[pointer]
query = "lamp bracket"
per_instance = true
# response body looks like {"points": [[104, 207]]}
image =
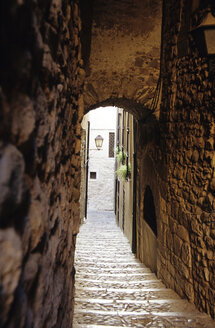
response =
{"points": [[212, 5], [212, 65]]}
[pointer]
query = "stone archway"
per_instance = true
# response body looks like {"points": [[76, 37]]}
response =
{"points": [[124, 62], [123, 65]]}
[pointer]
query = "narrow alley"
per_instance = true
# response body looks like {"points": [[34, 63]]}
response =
{"points": [[113, 289], [151, 64]]}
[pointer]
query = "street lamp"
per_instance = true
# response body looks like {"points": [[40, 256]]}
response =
{"points": [[99, 142], [204, 36]]}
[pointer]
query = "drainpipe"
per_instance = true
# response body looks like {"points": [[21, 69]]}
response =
{"points": [[117, 144], [123, 162], [87, 167], [134, 228], [123, 129], [127, 146]]}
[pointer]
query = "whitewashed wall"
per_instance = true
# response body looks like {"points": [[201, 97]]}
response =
{"points": [[101, 190]]}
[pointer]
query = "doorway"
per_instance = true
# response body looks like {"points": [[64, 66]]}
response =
{"points": [[149, 231]]}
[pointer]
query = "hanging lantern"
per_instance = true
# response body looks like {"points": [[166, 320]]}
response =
{"points": [[204, 36], [99, 142]]}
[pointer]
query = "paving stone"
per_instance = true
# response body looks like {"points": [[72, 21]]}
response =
{"points": [[113, 289]]}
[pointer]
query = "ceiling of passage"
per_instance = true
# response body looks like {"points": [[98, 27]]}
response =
{"points": [[124, 61]]}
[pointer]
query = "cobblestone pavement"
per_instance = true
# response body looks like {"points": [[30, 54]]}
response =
{"points": [[113, 289]]}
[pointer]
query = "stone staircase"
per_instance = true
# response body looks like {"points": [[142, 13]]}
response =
{"points": [[113, 289]]}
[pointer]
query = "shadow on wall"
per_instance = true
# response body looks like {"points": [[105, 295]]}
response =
{"points": [[149, 231]]}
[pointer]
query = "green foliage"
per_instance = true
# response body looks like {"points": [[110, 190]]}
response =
{"points": [[123, 173], [117, 150], [121, 156]]}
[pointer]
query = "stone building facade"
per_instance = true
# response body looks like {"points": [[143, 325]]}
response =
{"points": [[43, 100], [125, 160]]}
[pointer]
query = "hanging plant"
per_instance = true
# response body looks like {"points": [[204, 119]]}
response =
{"points": [[117, 150], [121, 156], [124, 172]]}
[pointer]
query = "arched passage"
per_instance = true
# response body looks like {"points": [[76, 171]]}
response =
{"points": [[41, 107], [124, 188], [143, 131], [138, 110]]}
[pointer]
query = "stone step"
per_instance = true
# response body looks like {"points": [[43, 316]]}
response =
{"points": [[113, 270], [126, 290], [125, 293], [140, 319], [159, 305], [96, 326], [159, 301], [110, 246], [114, 290], [108, 254], [109, 264], [102, 235], [110, 239], [127, 276], [117, 284]]}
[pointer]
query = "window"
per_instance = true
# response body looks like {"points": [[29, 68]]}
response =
{"points": [[93, 175], [111, 144]]}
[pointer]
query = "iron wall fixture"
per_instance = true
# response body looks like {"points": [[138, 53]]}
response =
{"points": [[204, 37], [99, 142]]}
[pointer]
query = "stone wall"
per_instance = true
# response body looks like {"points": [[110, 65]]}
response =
{"points": [[41, 109], [186, 170]]}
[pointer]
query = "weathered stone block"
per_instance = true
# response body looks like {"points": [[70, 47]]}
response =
{"points": [[189, 291], [169, 239], [12, 183], [23, 123], [30, 271], [182, 233], [10, 269], [177, 244], [186, 254]]}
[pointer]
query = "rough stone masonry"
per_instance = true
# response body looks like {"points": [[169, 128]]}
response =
{"points": [[42, 79], [41, 108]]}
